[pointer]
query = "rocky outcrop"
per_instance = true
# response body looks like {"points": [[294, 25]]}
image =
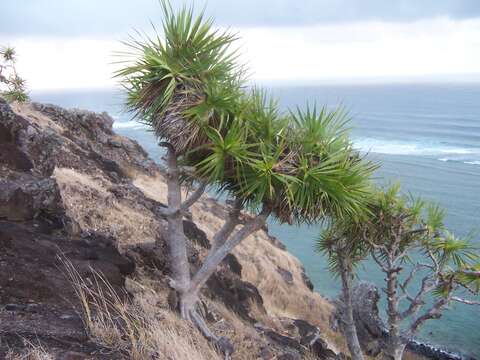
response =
{"points": [[302, 338], [372, 331], [370, 328], [70, 188]]}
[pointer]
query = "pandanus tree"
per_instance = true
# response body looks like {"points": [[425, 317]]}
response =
{"points": [[296, 167], [426, 267], [342, 241], [14, 87]]}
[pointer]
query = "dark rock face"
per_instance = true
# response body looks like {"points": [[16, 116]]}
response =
{"points": [[36, 293], [286, 275], [300, 337], [195, 234], [236, 294], [307, 281], [25, 197], [371, 330]]}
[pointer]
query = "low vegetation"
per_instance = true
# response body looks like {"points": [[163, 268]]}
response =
{"points": [[408, 240], [33, 351], [14, 87], [135, 327]]}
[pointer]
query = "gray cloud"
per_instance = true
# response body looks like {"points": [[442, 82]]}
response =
{"points": [[106, 17]]}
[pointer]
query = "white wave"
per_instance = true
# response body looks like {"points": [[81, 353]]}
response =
{"points": [[473, 162], [410, 148], [128, 125], [447, 153]]}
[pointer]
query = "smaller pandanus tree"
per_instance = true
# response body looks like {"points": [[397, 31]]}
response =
{"points": [[297, 167], [14, 86], [407, 236], [426, 267], [342, 241]]}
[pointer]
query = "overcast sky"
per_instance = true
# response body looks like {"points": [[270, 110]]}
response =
{"points": [[69, 44]]}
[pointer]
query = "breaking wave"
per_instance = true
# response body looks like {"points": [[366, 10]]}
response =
{"points": [[442, 152], [132, 124]]}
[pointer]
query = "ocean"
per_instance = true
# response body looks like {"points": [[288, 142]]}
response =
{"points": [[426, 136]]}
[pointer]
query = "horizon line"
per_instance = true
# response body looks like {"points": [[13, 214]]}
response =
{"points": [[450, 79]]}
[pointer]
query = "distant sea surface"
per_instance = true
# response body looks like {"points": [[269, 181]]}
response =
{"points": [[425, 136]]}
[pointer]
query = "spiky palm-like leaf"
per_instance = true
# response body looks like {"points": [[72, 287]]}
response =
{"points": [[451, 249], [14, 84], [468, 276], [183, 82], [342, 242], [8, 53], [187, 87], [15, 95]]}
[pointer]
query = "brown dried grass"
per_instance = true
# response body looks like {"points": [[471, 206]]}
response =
{"points": [[32, 352], [135, 328]]}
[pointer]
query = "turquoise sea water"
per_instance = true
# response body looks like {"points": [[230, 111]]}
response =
{"points": [[426, 136]]}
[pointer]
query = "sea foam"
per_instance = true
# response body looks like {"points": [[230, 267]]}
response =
{"points": [[132, 124], [444, 151]]}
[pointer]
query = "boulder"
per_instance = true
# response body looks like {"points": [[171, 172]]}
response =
{"points": [[370, 328], [300, 337], [286, 275]]}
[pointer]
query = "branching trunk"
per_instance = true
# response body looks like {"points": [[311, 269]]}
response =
{"points": [[216, 255], [396, 343], [350, 328], [394, 349], [223, 243], [223, 234]]}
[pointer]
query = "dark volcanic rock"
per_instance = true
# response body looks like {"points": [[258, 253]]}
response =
{"points": [[286, 275], [24, 197], [370, 327], [195, 234], [37, 292], [371, 330], [300, 337], [307, 280], [38, 300], [236, 294]]}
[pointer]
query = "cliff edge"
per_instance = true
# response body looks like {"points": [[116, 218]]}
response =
{"points": [[71, 190]]}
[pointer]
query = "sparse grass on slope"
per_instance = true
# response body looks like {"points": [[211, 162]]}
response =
{"points": [[136, 329], [32, 352]]}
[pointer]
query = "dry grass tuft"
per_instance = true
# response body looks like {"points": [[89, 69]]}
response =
{"points": [[135, 328], [32, 352], [36, 117], [94, 208], [246, 340]]}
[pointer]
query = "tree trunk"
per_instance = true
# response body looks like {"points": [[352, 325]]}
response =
{"points": [[179, 264], [177, 245], [216, 256], [350, 328], [394, 350], [395, 346], [187, 288]]}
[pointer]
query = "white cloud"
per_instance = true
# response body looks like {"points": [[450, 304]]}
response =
{"points": [[56, 63], [364, 50], [340, 51]]}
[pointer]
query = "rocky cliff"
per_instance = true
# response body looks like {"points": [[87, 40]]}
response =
{"points": [[72, 190]]}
